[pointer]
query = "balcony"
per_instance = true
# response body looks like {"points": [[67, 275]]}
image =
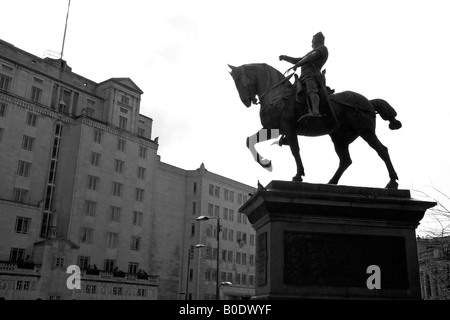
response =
{"points": [[119, 276]]}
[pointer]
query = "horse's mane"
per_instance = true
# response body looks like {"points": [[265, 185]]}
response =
{"points": [[274, 73]]}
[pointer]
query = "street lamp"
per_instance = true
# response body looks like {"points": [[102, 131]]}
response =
{"points": [[198, 246], [225, 283], [204, 218]]}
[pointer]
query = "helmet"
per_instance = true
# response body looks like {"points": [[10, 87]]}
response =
{"points": [[318, 37]]}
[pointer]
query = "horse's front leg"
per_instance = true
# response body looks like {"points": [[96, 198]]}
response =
{"points": [[261, 136], [291, 137]]}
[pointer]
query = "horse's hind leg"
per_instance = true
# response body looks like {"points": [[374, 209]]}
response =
{"points": [[341, 142], [292, 140], [382, 151]]}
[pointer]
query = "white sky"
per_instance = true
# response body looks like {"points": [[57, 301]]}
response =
{"points": [[177, 52]]}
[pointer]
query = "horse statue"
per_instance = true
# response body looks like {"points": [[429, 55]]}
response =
{"points": [[345, 116]]}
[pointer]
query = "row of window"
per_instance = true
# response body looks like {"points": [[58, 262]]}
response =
{"points": [[93, 183], [117, 291], [90, 208], [241, 279], [84, 262], [228, 195], [231, 256], [121, 144], [227, 214], [228, 234], [112, 239], [119, 165], [31, 118]]}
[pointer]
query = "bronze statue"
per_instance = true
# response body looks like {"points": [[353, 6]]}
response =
{"points": [[311, 65], [348, 115]]}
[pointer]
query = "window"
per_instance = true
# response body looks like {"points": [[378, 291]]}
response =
{"points": [[36, 94], [59, 262], [31, 119], [216, 210], [135, 243], [124, 99], [98, 136], [224, 255], [244, 237], [192, 229], [230, 235], [209, 230], [90, 112], [244, 219], [141, 173], [223, 276], [217, 192], [239, 217], [27, 143], [238, 278], [194, 208], [239, 198], [142, 152], [87, 235], [251, 280], [20, 195], [139, 195], [141, 132], [1, 134], [89, 208], [95, 158], [84, 262], [3, 109], [92, 182], [117, 291], [225, 234], [23, 169], [115, 213], [16, 255], [238, 257], [231, 215], [117, 189], [229, 277], [111, 239], [26, 285], [119, 166], [210, 209], [194, 188], [225, 194], [244, 259], [208, 275], [225, 213], [91, 288], [211, 190], [231, 196], [109, 265], [244, 279], [123, 123], [252, 260], [191, 275], [121, 145], [137, 218], [252, 239], [238, 236], [230, 257], [142, 292], [22, 225], [133, 267], [4, 82]]}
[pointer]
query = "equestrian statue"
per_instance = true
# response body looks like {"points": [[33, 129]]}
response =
{"points": [[310, 108]]}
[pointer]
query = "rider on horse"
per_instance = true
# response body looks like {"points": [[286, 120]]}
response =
{"points": [[311, 65]]}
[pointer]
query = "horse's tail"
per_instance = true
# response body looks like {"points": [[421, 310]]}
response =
{"points": [[386, 112]]}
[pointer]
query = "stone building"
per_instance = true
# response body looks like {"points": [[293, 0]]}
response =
{"points": [[82, 184], [434, 266]]}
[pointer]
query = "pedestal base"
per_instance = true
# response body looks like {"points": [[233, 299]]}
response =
{"points": [[335, 242]]}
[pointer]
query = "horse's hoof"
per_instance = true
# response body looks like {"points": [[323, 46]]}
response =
{"points": [[297, 179], [332, 182], [392, 185]]}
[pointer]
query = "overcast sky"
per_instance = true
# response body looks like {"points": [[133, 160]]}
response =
{"points": [[177, 52]]}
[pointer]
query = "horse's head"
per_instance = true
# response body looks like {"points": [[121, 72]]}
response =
{"points": [[244, 85]]}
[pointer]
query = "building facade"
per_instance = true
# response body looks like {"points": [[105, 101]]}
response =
{"points": [[434, 267], [83, 185]]}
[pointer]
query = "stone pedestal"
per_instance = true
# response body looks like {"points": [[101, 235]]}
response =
{"points": [[317, 241]]}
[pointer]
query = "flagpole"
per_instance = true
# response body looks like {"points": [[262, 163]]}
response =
{"points": [[65, 29]]}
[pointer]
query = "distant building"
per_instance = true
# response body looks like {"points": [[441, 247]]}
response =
{"points": [[82, 184], [434, 267]]}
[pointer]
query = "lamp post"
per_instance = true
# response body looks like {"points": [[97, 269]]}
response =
{"points": [[204, 218], [198, 246]]}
